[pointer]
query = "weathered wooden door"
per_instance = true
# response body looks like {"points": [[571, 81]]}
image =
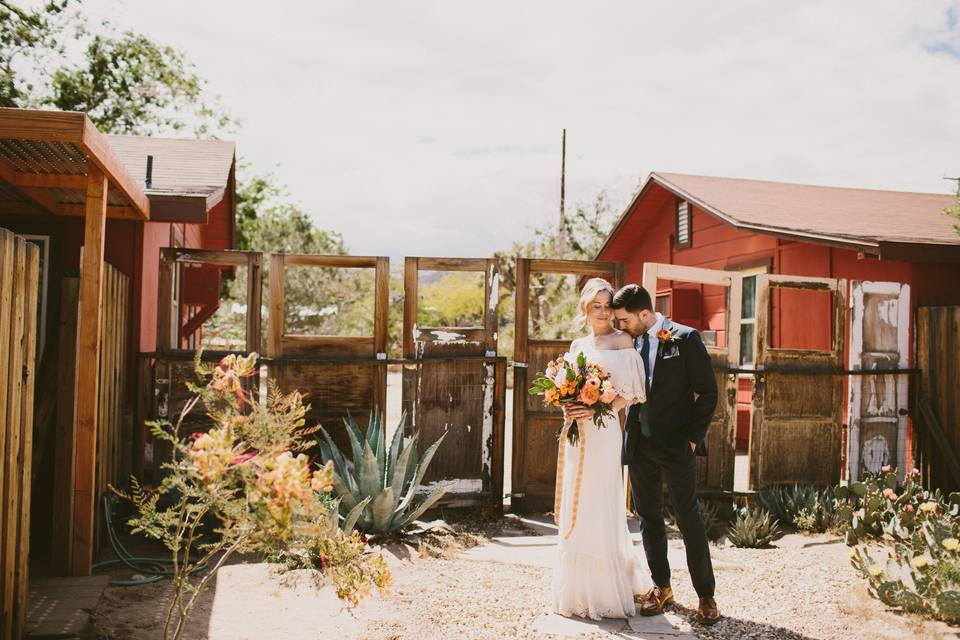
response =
{"points": [[454, 383], [879, 340], [715, 471], [534, 426], [796, 430], [339, 375]]}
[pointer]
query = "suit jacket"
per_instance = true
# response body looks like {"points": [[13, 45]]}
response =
{"points": [[682, 397]]}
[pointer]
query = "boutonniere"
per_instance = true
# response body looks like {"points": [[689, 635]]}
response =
{"points": [[668, 343]]}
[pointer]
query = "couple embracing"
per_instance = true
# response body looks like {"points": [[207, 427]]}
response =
{"points": [[662, 374]]}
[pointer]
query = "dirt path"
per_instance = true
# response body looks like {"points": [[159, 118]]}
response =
{"points": [[803, 588]]}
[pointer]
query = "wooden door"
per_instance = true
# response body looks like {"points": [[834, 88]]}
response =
{"points": [[339, 375], [534, 426], [877, 407], [796, 430], [715, 470], [454, 383]]}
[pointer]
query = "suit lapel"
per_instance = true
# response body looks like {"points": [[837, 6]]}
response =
{"points": [[658, 357]]}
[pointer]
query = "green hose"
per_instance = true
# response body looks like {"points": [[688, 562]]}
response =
{"points": [[155, 569]]}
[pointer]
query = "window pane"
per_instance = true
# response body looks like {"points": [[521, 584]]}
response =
{"points": [[746, 343], [749, 304]]}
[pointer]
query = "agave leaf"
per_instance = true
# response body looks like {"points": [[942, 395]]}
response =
{"points": [[383, 507], [339, 464], [373, 432], [353, 431], [421, 470], [381, 449], [351, 520], [343, 491], [402, 466], [426, 504], [333, 518], [368, 474]]}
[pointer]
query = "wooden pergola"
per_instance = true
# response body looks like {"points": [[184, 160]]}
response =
{"points": [[58, 163]]}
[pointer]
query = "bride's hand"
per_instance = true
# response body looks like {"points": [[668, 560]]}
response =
{"points": [[576, 411]]}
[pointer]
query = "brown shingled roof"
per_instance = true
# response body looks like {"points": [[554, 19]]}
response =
{"points": [[863, 218], [181, 166], [184, 170]]}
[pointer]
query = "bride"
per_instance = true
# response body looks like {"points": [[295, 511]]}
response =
{"points": [[598, 570]]}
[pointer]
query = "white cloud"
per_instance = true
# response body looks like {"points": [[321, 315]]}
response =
{"points": [[433, 128]]}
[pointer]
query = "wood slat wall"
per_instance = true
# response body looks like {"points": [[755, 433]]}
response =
{"points": [[19, 272], [114, 386], [937, 436]]}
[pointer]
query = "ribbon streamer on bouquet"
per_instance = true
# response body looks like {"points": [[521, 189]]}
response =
{"points": [[576, 487]]}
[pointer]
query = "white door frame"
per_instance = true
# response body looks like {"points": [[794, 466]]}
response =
{"points": [[857, 383]]}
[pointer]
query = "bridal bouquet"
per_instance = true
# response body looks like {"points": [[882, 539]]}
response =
{"points": [[570, 380]]}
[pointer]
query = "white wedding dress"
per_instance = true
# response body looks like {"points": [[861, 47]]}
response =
{"points": [[598, 570]]}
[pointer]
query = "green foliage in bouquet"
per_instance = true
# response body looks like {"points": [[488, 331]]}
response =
{"points": [[579, 382], [752, 529], [377, 490], [247, 475], [922, 573]]}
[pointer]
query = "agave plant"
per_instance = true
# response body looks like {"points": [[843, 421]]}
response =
{"points": [[377, 490], [753, 529]]}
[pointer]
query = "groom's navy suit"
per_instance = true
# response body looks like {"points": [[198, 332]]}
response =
{"points": [[681, 399]]}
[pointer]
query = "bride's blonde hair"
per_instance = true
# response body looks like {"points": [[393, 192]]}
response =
{"points": [[587, 294]]}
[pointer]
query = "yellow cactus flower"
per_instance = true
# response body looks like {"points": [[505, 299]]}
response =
{"points": [[876, 570], [951, 544], [919, 562]]}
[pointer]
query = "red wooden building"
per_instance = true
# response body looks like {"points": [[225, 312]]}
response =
{"points": [[100, 218], [891, 252]]}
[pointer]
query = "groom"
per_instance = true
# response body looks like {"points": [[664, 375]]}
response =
{"points": [[660, 439]]}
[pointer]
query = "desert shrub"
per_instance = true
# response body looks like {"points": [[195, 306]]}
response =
{"points": [[921, 573], [249, 475], [877, 507], [752, 529]]}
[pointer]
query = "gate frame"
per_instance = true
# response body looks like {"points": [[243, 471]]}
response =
{"points": [[765, 355], [381, 312], [733, 282], [525, 266], [496, 365]]}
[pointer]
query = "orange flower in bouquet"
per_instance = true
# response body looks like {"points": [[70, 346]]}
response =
{"points": [[569, 380]]}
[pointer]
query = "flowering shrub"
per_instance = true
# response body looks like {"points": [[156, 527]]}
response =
{"points": [[248, 475], [876, 507], [921, 574]]}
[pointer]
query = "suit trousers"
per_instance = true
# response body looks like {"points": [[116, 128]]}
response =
{"points": [[653, 463]]}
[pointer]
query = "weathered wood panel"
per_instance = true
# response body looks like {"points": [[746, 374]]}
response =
{"points": [[877, 413], [455, 393], [535, 426], [19, 273], [938, 358], [796, 434], [64, 440]]}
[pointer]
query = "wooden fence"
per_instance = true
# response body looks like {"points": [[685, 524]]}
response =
{"points": [[937, 436], [19, 273]]}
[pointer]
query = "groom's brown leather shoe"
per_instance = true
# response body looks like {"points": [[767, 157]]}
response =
{"points": [[656, 599], [709, 612]]}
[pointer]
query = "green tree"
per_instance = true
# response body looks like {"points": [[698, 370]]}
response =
{"points": [[955, 212], [124, 81], [25, 35], [553, 298]]}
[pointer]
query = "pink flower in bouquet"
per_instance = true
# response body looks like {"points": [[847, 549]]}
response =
{"points": [[608, 395], [589, 395]]}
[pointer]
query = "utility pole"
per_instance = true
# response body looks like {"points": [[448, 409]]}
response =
{"points": [[957, 180], [562, 233]]}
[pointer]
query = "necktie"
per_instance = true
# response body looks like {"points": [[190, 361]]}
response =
{"points": [[644, 408]]}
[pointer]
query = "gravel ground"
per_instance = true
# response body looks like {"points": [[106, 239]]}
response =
{"points": [[802, 588]]}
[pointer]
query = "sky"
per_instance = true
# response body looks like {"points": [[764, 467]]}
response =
{"points": [[434, 128]]}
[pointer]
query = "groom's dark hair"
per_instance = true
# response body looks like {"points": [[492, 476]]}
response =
{"points": [[633, 298]]}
